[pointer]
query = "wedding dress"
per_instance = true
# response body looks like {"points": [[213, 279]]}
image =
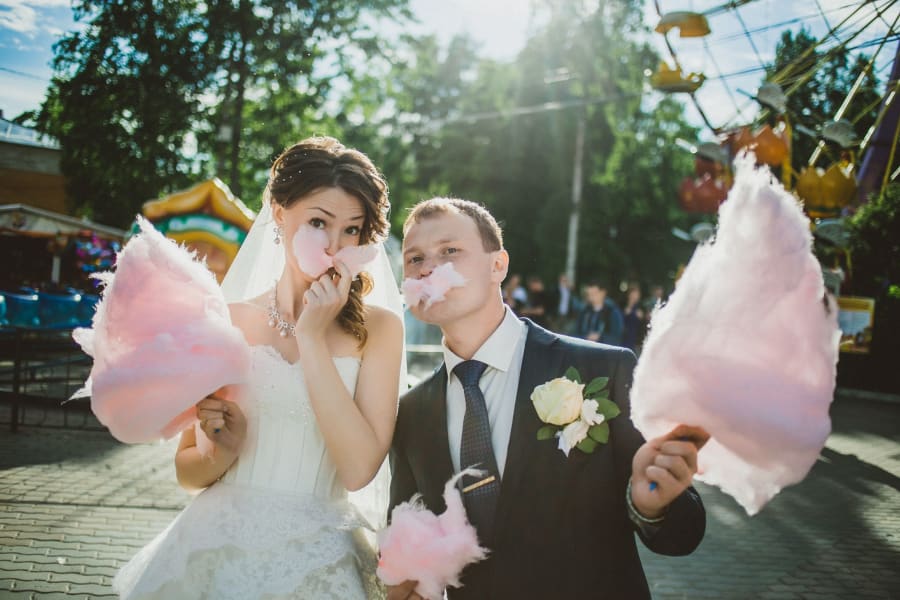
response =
{"points": [[278, 523]]}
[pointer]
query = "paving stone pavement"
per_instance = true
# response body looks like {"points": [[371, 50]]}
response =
{"points": [[76, 505]]}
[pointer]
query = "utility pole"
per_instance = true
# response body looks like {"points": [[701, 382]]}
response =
{"points": [[577, 183]]}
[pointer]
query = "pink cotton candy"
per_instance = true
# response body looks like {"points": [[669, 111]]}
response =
{"points": [[162, 339], [432, 288], [433, 550], [745, 347], [309, 246]]}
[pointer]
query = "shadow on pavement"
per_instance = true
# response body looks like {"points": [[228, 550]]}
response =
{"points": [[42, 446]]}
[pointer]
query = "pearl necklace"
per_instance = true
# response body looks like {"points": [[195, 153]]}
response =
{"points": [[276, 321]]}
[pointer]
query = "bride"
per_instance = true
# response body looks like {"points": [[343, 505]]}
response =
{"points": [[315, 419]]}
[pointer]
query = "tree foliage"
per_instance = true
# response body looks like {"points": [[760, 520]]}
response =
{"points": [[823, 80], [144, 104], [875, 246], [504, 135], [124, 96], [875, 251], [153, 94]]}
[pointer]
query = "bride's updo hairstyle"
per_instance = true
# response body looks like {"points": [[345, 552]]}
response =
{"points": [[323, 162]]}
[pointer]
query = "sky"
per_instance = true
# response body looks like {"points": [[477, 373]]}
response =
{"points": [[28, 31], [728, 50]]}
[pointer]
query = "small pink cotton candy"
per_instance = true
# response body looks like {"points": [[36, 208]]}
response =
{"points": [[309, 246], [161, 340], [356, 258], [433, 550], [746, 347], [432, 288]]}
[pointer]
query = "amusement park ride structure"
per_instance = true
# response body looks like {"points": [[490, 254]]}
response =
{"points": [[857, 167], [843, 171]]}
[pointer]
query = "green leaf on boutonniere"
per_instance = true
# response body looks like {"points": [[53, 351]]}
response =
{"points": [[572, 374], [607, 408], [596, 384], [587, 445], [604, 393], [599, 433], [547, 432]]}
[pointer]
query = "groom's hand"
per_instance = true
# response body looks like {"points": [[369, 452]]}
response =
{"points": [[404, 591], [669, 462]]}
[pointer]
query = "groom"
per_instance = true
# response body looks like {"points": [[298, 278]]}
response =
{"points": [[556, 526]]}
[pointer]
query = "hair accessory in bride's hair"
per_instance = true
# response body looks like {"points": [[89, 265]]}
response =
{"points": [[276, 321]]}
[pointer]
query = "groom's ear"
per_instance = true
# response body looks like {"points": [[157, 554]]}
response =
{"points": [[499, 266]]}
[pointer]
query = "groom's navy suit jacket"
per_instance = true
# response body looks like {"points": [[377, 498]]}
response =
{"points": [[562, 528]]}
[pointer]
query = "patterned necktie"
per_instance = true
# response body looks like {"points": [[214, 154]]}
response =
{"points": [[479, 493]]}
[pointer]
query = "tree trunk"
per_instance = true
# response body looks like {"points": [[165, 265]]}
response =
{"points": [[238, 119]]}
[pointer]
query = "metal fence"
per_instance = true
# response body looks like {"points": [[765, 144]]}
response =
{"points": [[39, 370]]}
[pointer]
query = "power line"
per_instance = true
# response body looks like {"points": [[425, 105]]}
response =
{"points": [[734, 36], [824, 18], [726, 7], [23, 74], [867, 44], [842, 25], [749, 38], [722, 79], [473, 118]]}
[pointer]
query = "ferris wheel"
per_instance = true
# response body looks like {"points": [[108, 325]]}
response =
{"points": [[845, 166]]}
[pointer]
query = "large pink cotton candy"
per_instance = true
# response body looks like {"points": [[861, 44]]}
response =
{"points": [[746, 347], [432, 288], [309, 246], [433, 550], [161, 340]]}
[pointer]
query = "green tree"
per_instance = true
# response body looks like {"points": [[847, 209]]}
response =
{"points": [[504, 135], [278, 65], [875, 251], [122, 99], [153, 94], [823, 80]]}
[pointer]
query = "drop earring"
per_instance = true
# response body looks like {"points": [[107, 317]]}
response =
{"points": [[278, 234]]}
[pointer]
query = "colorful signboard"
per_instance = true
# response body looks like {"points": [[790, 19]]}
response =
{"points": [[206, 218]]}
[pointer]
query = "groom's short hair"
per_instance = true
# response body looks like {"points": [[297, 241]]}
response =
{"points": [[488, 229]]}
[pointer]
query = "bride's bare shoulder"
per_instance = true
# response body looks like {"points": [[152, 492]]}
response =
{"points": [[245, 312], [380, 321]]}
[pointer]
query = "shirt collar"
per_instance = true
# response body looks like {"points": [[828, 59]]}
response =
{"points": [[496, 351]]}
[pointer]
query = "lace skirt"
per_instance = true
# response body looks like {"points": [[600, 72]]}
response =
{"points": [[245, 543]]}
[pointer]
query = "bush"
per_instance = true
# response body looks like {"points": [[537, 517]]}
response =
{"points": [[875, 257]]}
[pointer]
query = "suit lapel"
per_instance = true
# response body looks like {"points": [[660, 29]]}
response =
{"points": [[538, 364], [440, 465]]}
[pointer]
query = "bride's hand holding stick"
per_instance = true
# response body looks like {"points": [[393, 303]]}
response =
{"points": [[323, 301], [223, 422]]}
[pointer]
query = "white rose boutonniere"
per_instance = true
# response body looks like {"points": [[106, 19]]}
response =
{"points": [[575, 413]]}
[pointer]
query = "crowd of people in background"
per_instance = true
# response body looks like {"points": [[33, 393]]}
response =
{"points": [[591, 313]]}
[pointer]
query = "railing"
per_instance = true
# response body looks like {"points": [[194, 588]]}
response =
{"points": [[39, 370]]}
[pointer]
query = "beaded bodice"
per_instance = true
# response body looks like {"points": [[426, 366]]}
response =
{"points": [[284, 449]]}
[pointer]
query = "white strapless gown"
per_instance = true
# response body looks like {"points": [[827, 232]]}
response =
{"points": [[278, 524]]}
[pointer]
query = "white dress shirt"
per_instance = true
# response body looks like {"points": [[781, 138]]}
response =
{"points": [[502, 352]]}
